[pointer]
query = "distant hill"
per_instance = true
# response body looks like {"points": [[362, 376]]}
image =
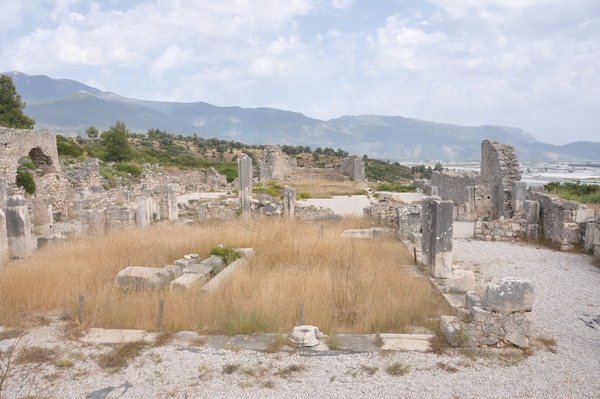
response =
{"points": [[68, 107]]}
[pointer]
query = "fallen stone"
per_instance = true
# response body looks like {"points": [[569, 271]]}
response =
{"points": [[215, 262], [188, 282], [174, 270], [461, 281], [142, 278], [358, 233], [197, 268], [511, 294]]}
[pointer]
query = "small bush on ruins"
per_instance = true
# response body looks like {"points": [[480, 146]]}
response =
{"points": [[25, 180], [68, 148], [583, 193], [128, 168], [399, 188], [228, 254]]}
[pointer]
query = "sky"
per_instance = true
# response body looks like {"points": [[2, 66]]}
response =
{"points": [[531, 64]]}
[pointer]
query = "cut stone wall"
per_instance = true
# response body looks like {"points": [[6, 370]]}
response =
{"points": [[409, 220], [274, 164], [85, 174], [354, 167], [451, 186], [499, 169], [3, 237], [16, 144]]}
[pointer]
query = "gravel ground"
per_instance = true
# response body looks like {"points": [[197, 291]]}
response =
{"points": [[567, 296]]}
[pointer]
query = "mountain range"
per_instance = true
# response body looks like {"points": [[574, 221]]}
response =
{"points": [[69, 107]]}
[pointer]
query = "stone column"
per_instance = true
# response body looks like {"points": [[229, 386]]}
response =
{"points": [[470, 204], [3, 192], [439, 254], [433, 191], [426, 215], [519, 192], [18, 228], [532, 216], [289, 201], [245, 184], [168, 202], [3, 237]]}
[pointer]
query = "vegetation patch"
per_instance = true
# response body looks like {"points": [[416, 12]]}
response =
{"points": [[25, 180], [396, 187], [397, 369], [583, 193], [120, 356], [228, 254]]}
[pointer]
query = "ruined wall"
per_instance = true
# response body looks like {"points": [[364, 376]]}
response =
{"points": [[85, 174], [561, 222], [451, 186], [274, 164], [354, 167], [499, 169], [16, 144]]}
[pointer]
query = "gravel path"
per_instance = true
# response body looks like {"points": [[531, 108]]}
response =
{"points": [[567, 296]]}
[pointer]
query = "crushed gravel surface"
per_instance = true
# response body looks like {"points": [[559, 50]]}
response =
{"points": [[567, 301]]}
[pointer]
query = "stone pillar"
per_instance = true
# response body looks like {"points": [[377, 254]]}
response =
{"points": [[470, 204], [3, 237], [168, 202], [440, 239], [588, 240], [41, 218], [18, 228], [519, 192], [3, 192], [245, 184], [433, 191], [532, 216], [426, 216], [409, 220], [597, 238], [289, 201]]}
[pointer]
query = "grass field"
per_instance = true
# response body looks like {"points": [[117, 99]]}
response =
{"points": [[345, 285]]}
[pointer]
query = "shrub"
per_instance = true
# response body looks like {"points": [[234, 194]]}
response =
{"points": [[133, 170], [67, 147], [25, 180], [399, 188], [228, 254], [305, 195]]}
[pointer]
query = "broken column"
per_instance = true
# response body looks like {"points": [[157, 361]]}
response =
{"points": [[18, 228], [167, 202], [426, 226], [3, 237], [470, 204], [519, 192], [439, 252], [289, 201], [245, 184]]}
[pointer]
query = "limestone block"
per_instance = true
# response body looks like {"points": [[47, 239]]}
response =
{"points": [[536, 188], [3, 237], [582, 215], [273, 209], [120, 213], [215, 262], [358, 233], [416, 238], [409, 220], [245, 183], [511, 294], [440, 239], [188, 282], [305, 336], [245, 252], [289, 201], [590, 232], [383, 232], [517, 327], [480, 315], [174, 271], [265, 200], [184, 262], [214, 283], [461, 281], [18, 229], [142, 278], [450, 328], [472, 300], [197, 268]]}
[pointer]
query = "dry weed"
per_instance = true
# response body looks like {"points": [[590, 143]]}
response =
{"points": [[347, 286]]}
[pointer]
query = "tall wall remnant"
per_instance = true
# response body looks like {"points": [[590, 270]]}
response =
{"points": [[245, 184], [499, 170], [18, 228], [451, 185], [274, 164], [16, 144], [354, 167]]}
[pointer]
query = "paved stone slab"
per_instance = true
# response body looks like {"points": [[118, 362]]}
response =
{"points": [[406, 342], [117, 336]]}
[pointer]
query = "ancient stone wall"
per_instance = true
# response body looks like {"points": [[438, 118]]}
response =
{"points": [[499, 169], [84, 174], [562, 222], [16, 144], [451, 186], [274, 164], [354, 167], [182, 181]]}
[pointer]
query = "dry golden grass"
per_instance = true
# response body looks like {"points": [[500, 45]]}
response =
{"points": [[345, 285], [327, 188]]}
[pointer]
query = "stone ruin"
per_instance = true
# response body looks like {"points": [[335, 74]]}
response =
{"points": [[503, 208], [274, 164], [354, 167], [185, 274], [502, 316]]}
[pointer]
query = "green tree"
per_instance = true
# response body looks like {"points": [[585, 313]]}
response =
{"points": [[116, 144], [11, 106], [438, 167], [92, 132]]}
